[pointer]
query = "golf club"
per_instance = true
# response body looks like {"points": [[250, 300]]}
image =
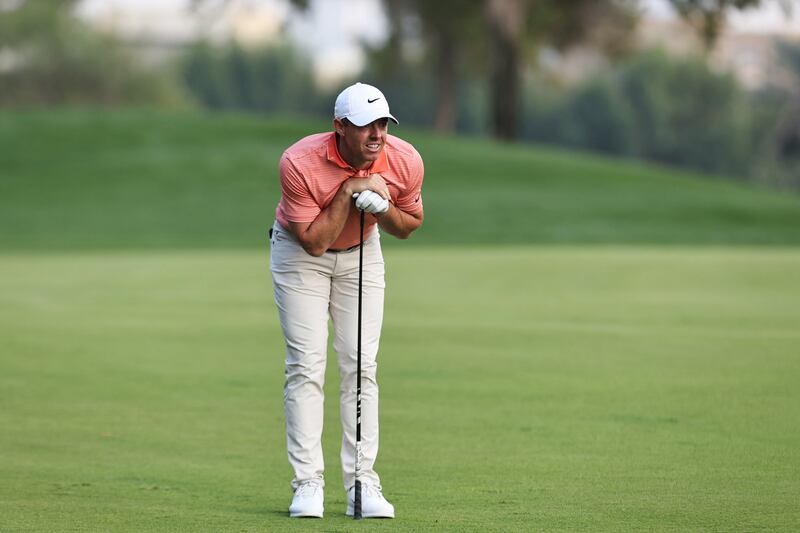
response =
{"points": [[357, 495]]}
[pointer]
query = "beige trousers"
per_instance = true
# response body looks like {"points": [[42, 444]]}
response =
{"points": [[308, 291]]}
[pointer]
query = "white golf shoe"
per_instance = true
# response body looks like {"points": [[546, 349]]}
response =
{"points": [[307, 501], [373, 504]]}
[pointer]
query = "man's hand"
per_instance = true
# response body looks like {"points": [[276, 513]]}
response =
{"points": [[371, 202], [374, 183]]}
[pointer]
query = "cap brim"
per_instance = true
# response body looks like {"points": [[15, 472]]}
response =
{"points": [[366, 118]]}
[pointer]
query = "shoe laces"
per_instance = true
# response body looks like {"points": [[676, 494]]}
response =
{"points": [[373, 491], [309, 488]]}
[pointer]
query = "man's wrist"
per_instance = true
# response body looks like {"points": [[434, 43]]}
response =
{"points": [[347, 189], [384, 213]]}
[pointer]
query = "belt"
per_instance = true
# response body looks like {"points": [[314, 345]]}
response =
{"points": [[341, 250]]}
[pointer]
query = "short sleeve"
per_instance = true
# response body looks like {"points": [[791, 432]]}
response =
{"points": [[297, 202], [410, 200]]}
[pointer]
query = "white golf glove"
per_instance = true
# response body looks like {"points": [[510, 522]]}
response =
{"points": [[371, 202]]}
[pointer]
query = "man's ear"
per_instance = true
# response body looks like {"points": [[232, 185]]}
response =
{"points": [[338, 126]]}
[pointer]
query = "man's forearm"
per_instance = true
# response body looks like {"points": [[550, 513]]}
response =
{"points": [[398, 223], [318, 236]]}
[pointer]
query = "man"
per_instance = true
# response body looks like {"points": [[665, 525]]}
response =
{"points": [[325, 180]]}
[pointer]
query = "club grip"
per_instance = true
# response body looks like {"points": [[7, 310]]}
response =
{"points": [[357, 501]]}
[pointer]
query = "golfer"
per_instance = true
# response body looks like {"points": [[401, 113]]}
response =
{"points": [[326, 179]]}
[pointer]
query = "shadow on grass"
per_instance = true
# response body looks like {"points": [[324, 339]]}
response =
{"points": [[271, 510]]}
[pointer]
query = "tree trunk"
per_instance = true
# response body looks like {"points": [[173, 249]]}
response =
{"points": [[505, 19], [445, 75]]}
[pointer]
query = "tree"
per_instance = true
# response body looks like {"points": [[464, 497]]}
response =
{"points": [[505, 21], [685, 114], [272, 79], [780, 152], [27, 20], [514, 31], [707, 17], [518, 28], [786, 134], [452, 35]]}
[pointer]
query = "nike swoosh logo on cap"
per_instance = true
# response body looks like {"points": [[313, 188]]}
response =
{"points": [[373, 100]]}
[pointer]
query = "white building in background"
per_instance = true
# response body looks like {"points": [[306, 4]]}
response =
{"points": [[753, 58]]}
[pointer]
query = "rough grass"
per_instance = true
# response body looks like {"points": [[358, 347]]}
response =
{"points": [[93, 180]]}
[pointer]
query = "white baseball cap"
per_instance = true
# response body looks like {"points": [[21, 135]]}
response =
{"points": [[362, 104]]}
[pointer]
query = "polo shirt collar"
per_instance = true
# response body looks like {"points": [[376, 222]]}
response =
{"points": [[380, 165]]}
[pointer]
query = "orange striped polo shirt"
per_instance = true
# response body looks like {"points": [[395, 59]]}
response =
{"points": [[311, 172]]}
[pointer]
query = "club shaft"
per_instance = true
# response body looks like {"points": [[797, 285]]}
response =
{"points": [[357, 495]]}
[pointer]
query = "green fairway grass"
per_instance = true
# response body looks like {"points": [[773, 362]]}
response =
{"points": [[131, 180], [523, 389], [571, 342]]}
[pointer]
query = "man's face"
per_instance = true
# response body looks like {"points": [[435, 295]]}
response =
{"points": [[360, 146]]}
